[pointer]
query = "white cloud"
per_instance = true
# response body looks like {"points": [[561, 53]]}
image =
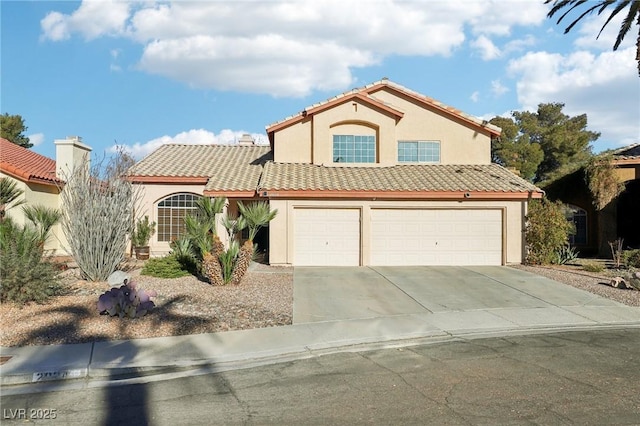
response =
{"points": [[36, 139], [475, 96], [190, 137], [498, 17], [288, 48], [498, 89], [94, 18], [604, 86], [487, 49]]}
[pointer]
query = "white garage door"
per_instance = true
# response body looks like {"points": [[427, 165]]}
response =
{"points": [[326, 237], [436, 237]]}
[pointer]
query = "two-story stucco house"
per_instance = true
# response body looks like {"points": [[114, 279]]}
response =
{"points": [[379, 175]]}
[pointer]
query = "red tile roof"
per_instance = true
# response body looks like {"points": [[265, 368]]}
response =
{"points": [[26, 165]]}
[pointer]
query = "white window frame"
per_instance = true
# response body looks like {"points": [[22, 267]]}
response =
{"points": [[422, 147]]}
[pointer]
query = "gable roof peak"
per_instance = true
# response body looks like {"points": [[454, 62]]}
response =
{"points": [[367, 93]]}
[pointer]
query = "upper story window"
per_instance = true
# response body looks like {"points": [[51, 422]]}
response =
{"points": [[579, 218], [354, 149], [418, 151], [171, 213]]}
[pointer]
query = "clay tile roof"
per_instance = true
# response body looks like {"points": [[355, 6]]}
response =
{"points": [[403, 178], [26, 165], [628, 152], [223, 168], [368, 92]]}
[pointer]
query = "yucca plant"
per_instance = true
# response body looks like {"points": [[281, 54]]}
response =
{"points": [[201, 232], [228, 261], [256, 215], [25, 275]]}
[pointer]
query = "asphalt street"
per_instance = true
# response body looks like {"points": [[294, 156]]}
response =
{"points": [[576, 377]]}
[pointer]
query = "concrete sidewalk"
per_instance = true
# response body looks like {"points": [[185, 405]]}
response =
{"points": [[400, 312]]}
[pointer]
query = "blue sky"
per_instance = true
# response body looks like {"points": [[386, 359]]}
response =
{"points": [[143, 73]]}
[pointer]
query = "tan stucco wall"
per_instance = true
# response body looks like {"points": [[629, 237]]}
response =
{"points": [[311, 141], [628, 172], [281, 241], [459, 143], [293, 144], [45, 195]]}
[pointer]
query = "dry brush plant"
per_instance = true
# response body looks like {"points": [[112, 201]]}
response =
{"points": [[547, 231], [97, 214]]}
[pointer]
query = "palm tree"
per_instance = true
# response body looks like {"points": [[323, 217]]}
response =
{"points": [[9, 193], [43, 218], [633, 14]]}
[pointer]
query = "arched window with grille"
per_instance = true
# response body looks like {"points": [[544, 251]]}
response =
{"points": [[171, 213], [579, 219]]}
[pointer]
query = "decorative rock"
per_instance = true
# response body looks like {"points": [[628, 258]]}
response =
{"points": [[117, 278]]}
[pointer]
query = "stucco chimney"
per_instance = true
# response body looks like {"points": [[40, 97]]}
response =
{"points": [[70, 153], [246, 140]]}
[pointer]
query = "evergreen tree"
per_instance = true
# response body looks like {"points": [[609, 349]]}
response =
{"points": [[12, 128]]}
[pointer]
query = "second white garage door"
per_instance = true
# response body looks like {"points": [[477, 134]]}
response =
{"points": [[326, 237], [436, 237]]}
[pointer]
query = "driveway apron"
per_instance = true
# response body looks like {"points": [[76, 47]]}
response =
{"points": [[340, 293]]}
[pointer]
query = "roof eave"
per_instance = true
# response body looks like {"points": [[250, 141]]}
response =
{"points": [[402, 195], [23, 176], [187, 180], [229, 193], [422, 99], [307, 112]]}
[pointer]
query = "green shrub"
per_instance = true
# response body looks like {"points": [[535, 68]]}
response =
{"points": [[631, 258], [26, 275], [167, 267], [593, 267], [565, 255], [547, 231]]}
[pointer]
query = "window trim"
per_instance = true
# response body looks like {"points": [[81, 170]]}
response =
{"points": [[577, 211], [417, 153], [374, 148], [161, 224]]}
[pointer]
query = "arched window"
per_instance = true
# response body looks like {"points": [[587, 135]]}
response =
{"points": [[579, 218], [171, 213]]}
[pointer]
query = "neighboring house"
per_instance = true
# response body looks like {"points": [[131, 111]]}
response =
{"points": [[41, 179], [620, 219], [379, 175]]}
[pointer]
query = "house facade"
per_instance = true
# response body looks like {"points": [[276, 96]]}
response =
{"points": [[379, 175], [619, 219], [41, 179]]}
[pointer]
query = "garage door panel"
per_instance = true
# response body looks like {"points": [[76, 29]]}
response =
{"points": [[326, 237], [436, 237]]}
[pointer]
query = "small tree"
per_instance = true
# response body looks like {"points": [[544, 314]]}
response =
{"points": [[547, 231], [97, 207], [12, 128]]}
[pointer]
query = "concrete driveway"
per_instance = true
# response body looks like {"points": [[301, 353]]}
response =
{"points": [[344, 293]]}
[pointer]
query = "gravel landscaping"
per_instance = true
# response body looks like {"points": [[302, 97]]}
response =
{"points": [[190, 306]]}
